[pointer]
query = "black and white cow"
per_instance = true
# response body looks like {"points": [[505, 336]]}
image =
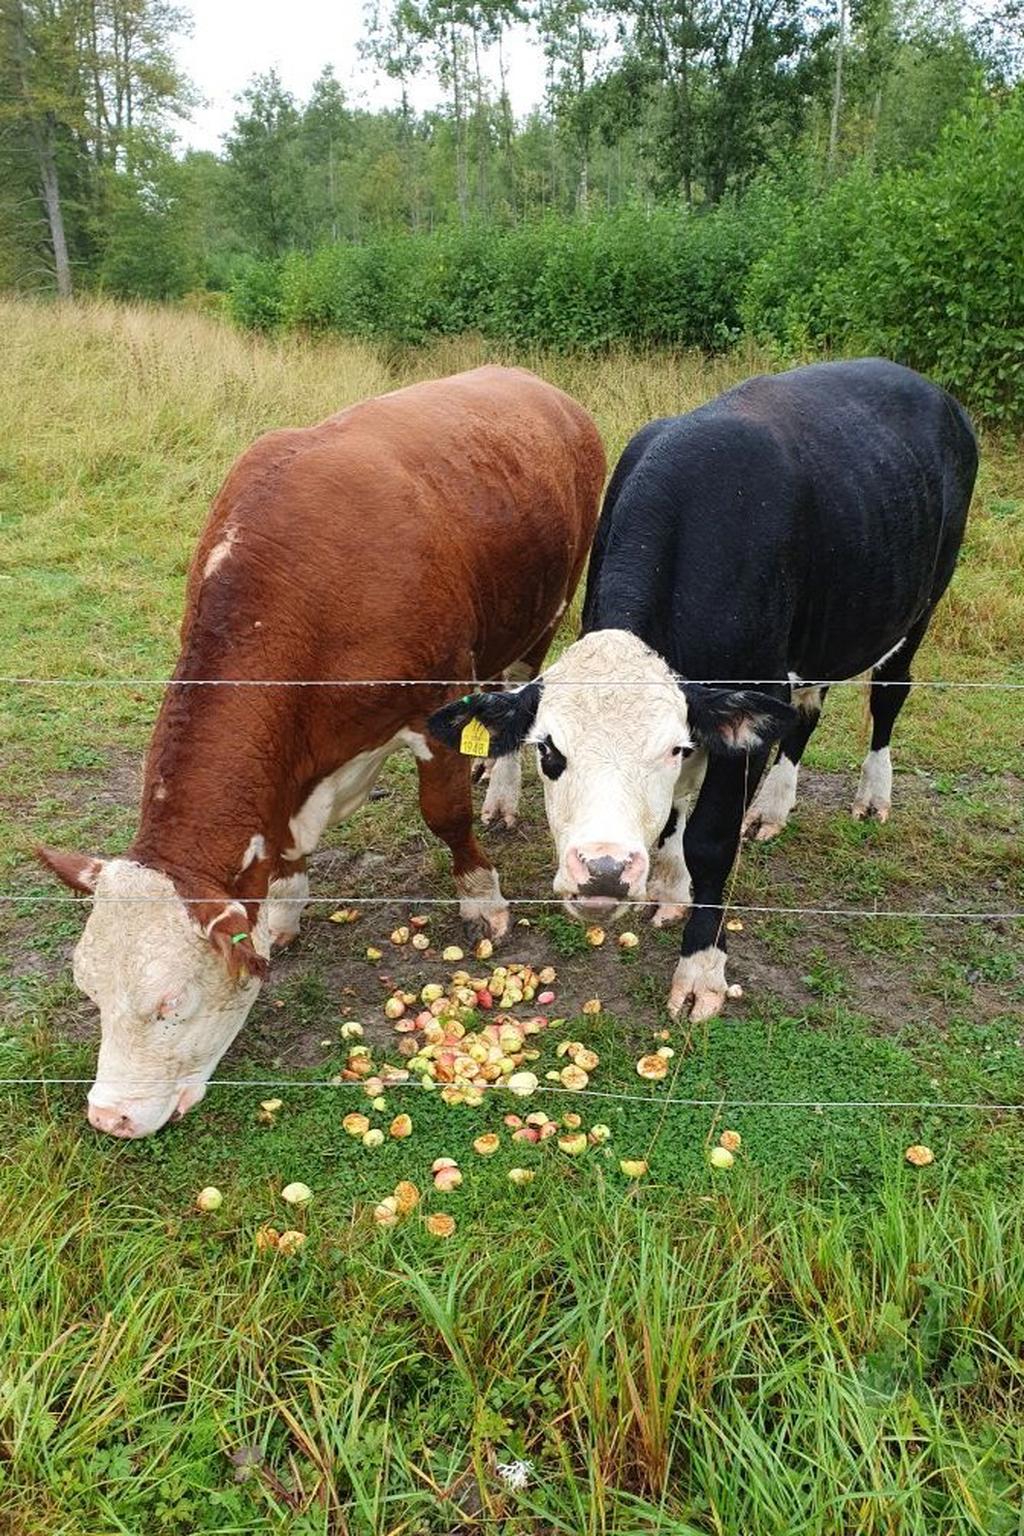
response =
{"points": [[800, 527]]}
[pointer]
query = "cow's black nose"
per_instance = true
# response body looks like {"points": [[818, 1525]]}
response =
{"points": [[605, 878]]}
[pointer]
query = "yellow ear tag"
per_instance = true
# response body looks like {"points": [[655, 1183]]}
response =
{"points": [[475, 740]]}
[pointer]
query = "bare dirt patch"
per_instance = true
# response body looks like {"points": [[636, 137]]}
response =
{"points": [[788, 964]]}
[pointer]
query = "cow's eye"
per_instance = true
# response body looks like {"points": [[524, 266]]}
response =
{"points": [[682, 751], [552, 762]]}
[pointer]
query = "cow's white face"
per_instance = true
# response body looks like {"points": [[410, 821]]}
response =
{"points": [[609, 755], [615, 730], [169, 1008]]}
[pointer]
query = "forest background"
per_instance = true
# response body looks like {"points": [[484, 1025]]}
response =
{"points": [[844, 176]]}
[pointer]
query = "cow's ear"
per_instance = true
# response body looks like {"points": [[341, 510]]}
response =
{"points": [[735, 720], [506, 717], [226, 925], [77, 870], [239, 953]]}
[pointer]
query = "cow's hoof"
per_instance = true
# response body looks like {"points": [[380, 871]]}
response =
{"points": [[864, 810], [758, 831], [486, 923], [698, 987], [499, 815], [668, 913], [282, 940]]}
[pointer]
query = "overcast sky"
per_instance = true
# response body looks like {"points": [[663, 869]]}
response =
{"points": [[232, 40]]}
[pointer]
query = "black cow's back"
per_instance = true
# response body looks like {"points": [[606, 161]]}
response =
{"points": [[801, 523]]}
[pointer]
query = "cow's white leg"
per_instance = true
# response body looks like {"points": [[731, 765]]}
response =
{"points": [[699, 984], [286, 902], [501, 803], [504, 775], [874, 792], [668, 884], [447, 806], [481, 905], [769, 810]]}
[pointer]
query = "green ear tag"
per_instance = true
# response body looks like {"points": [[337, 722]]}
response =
{"points": [[475, 740], [237, 938]]}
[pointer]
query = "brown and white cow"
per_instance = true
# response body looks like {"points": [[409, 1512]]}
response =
{"points": [[437, 532]]}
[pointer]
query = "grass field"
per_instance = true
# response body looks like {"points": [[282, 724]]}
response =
{"points": [[821, 1341]]}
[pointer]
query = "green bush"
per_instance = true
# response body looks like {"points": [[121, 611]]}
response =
{"points": [[255, 297], [924, 265], [941, 278], [633, 276]]}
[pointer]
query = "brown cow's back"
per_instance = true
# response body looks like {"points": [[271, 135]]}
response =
{"points": [[436, 532], [405, 531]]}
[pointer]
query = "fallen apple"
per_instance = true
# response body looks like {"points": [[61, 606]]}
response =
{"points": [[652, 1067], [574, 1144], [297, 1194], [407, 1197], [440, 1225], [385, 1213]]}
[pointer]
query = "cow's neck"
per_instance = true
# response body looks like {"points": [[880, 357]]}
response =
{"points": [[225, 771]]}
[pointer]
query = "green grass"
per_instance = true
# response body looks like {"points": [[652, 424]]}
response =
{"points": [[822, 1341]]}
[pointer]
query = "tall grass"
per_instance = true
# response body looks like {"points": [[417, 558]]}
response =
{"points": [[725, 1364]]}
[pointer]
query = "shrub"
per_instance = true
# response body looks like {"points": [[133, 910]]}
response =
{"points": [[923, 265], [255, 298]]}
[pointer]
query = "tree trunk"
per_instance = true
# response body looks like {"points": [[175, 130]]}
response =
{"points": [[507, 124], [583, 134], [481, 134], [43, 137], [837, 91], [461, 168], [40, 125]]}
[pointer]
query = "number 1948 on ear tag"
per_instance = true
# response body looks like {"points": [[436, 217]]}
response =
{"points": [[475, 740]]}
